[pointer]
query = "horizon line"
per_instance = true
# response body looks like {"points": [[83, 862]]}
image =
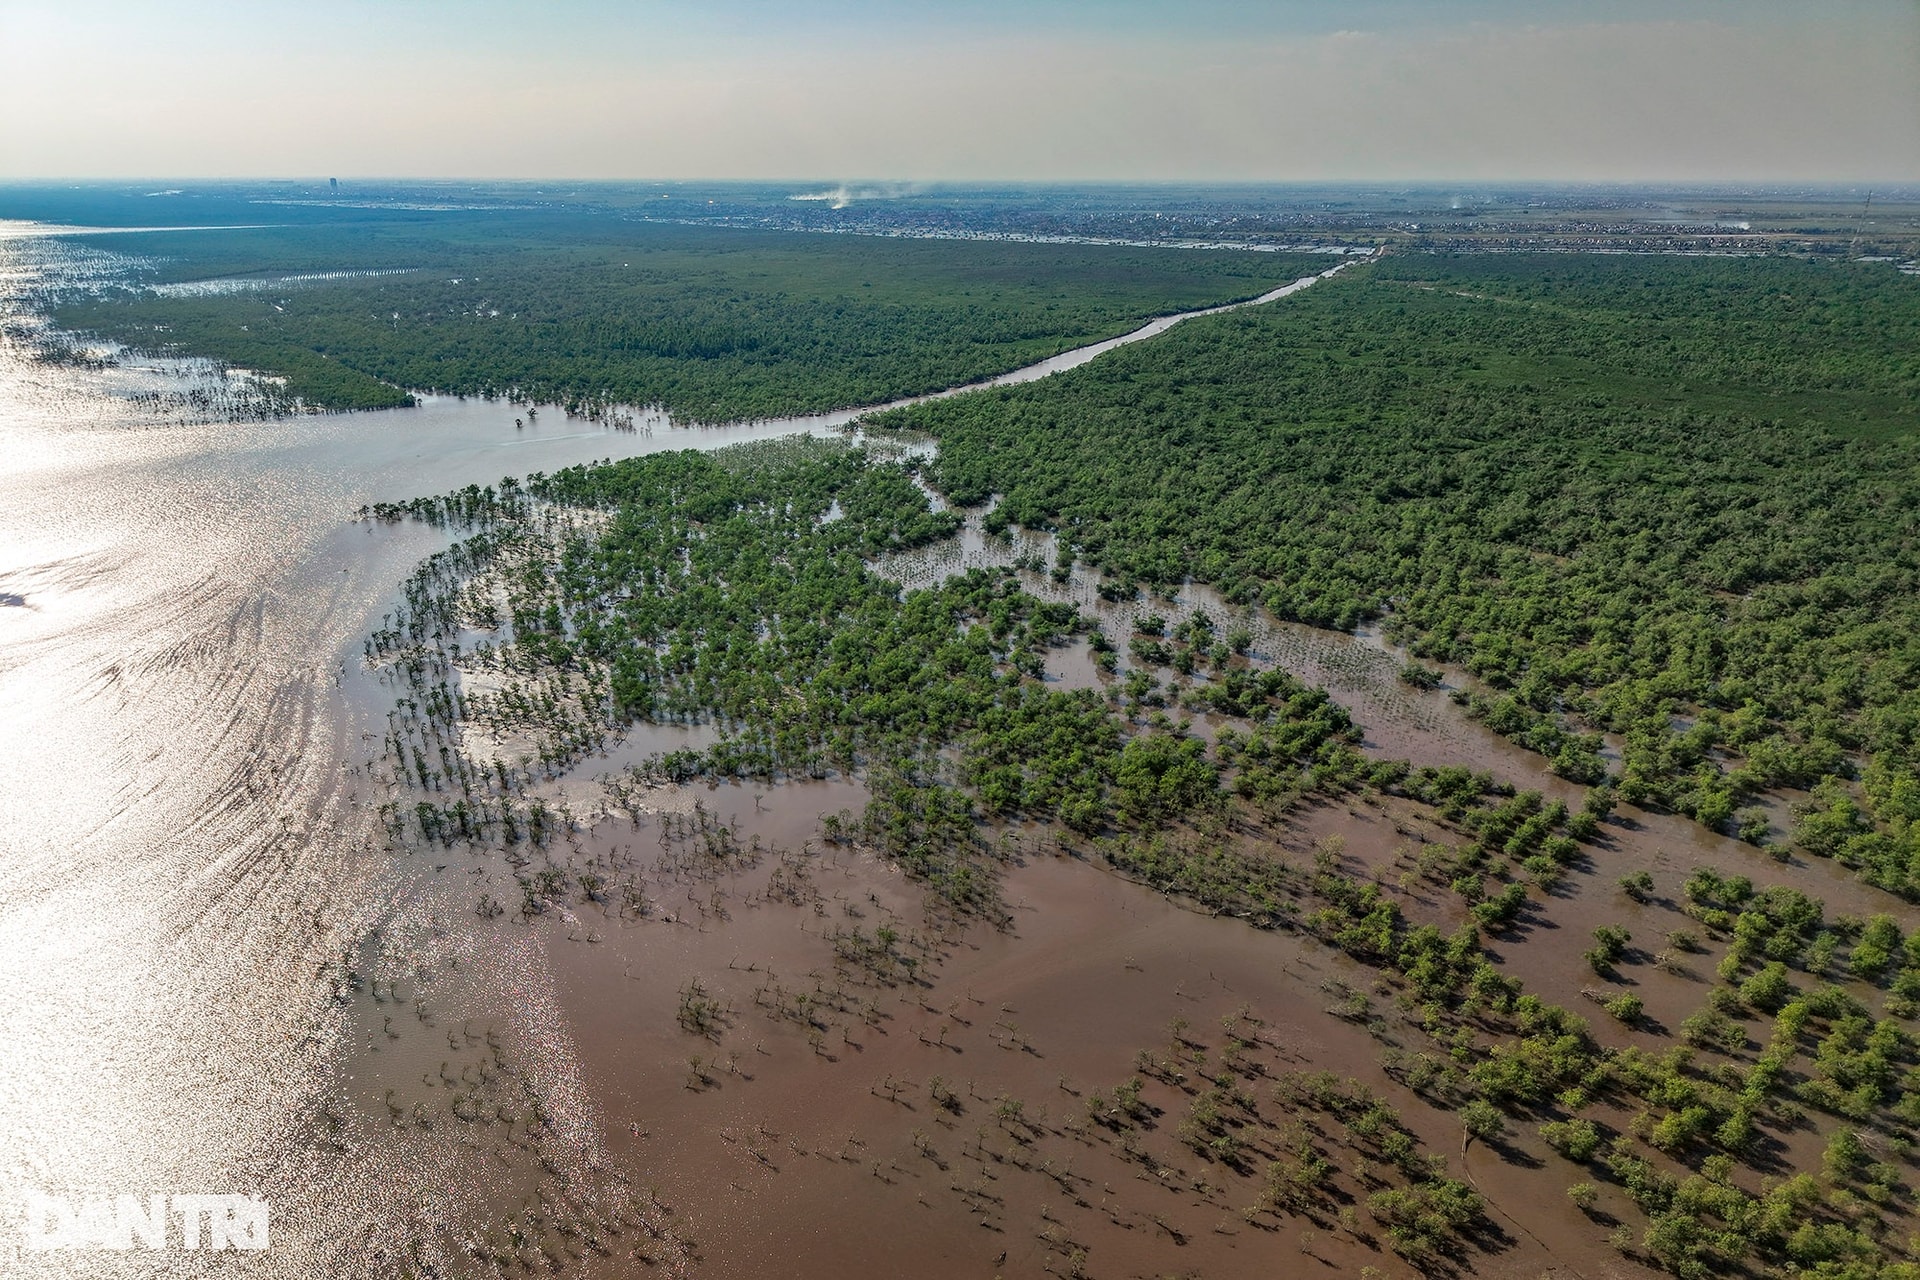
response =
{"points": [[906, 187]]}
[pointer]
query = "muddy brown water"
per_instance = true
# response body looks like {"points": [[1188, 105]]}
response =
{"points": [[818, 1152]]}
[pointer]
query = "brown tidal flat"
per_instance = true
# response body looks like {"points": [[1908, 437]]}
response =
{"points": [[783, 1057], [710, 1034], [948, 1109]]}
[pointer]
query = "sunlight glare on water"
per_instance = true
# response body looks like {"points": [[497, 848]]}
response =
{"points": [[183, 847]]}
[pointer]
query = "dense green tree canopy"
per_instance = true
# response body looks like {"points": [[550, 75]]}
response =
{"points": [[713, 324], [1673, 499]]}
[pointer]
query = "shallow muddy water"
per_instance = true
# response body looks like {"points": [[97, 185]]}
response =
{"points": [[182, 841]]}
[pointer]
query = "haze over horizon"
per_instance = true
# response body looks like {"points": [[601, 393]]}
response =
{"points": [[1064, 90]]}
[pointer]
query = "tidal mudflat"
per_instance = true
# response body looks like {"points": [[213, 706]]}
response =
{"points": [[804, 1055]]}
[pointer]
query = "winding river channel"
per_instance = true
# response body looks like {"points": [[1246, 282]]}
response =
{"points": [[185, 849]]}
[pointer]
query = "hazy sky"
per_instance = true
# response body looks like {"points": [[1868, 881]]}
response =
{"points": [[1037, 89]]}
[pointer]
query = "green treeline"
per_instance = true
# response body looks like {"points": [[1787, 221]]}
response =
{"points": [[715, 325], [1674, 499]]}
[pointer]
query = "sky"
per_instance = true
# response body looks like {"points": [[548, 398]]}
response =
{"points": [[1047, 90]]}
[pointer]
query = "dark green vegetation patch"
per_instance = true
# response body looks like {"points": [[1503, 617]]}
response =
{"points": [[733, 588], [712, 324], [1673, 499]]}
